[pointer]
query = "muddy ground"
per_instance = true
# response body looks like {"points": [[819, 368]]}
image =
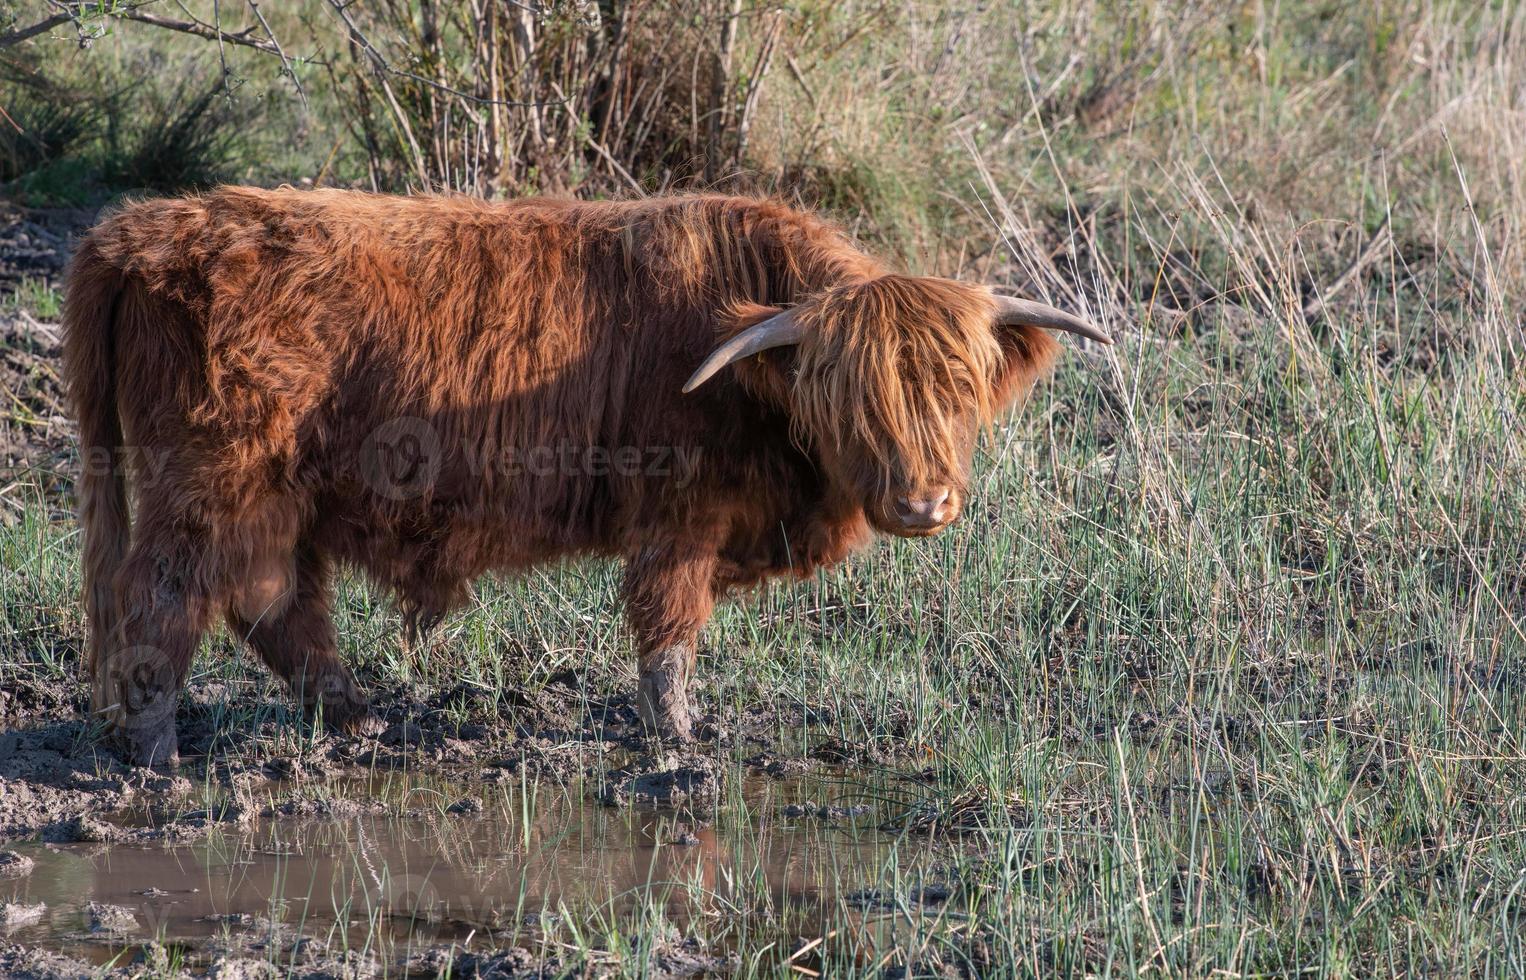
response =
{"points": [[57, 780], [59, 786]]}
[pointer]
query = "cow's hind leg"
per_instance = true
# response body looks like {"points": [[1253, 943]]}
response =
{"points": [[668, 597], [164, 598], [285, 614]]}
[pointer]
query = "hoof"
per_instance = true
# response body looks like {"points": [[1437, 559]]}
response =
{"points": [[151, 746], [663, 705], [342, 707], [133, 697], [362, 723]]}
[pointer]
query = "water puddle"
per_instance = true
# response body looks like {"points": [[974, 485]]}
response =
{"points": [[396, 864]]}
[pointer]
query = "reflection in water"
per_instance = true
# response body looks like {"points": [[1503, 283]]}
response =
{"points": [[532, 859]]}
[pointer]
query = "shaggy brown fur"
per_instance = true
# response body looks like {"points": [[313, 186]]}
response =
{"points": [[414, 386]]}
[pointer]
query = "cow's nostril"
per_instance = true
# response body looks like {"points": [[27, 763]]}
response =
{"points": [[927, 510]]}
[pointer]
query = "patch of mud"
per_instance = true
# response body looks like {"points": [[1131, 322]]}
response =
{"points": [[241, 736], [13, 865], [54, 782], [88, 828], [22, 963], [670, 960], [320, 809], [690, 958], [919, 896], [783, 767], [688, 781], [280, 883], [238, 968], [112, 919], [13, 914], [35, 243], [825, 811], [85, 828]]}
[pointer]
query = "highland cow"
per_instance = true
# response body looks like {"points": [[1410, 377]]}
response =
{"points": [[431, 388]]}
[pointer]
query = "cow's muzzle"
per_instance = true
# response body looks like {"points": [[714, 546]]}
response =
{"points": [[923, 513]]}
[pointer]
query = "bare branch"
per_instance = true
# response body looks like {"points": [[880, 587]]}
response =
{"points": [[286, 65], [80, 12], [379, 66], [222, 51], [41, 27], [382, 65], [207, 31]]}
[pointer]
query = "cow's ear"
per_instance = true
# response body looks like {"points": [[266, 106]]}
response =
{"points": [[1028, 354], [765, 375]]}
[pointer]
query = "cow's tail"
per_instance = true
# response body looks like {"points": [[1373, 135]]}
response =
{"points": [[90, 303]]}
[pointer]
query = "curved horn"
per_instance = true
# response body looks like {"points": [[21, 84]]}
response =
{"points": [[1011, 311], [779, 330]]}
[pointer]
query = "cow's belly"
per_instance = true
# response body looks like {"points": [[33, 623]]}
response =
{"points": [[430, 550]]}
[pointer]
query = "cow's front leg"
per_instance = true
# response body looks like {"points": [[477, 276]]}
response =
{"points": [[668, 597], [662, 692]]}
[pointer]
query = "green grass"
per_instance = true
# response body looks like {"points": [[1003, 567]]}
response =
{"points": [[35, 296], [1223, 670]]}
